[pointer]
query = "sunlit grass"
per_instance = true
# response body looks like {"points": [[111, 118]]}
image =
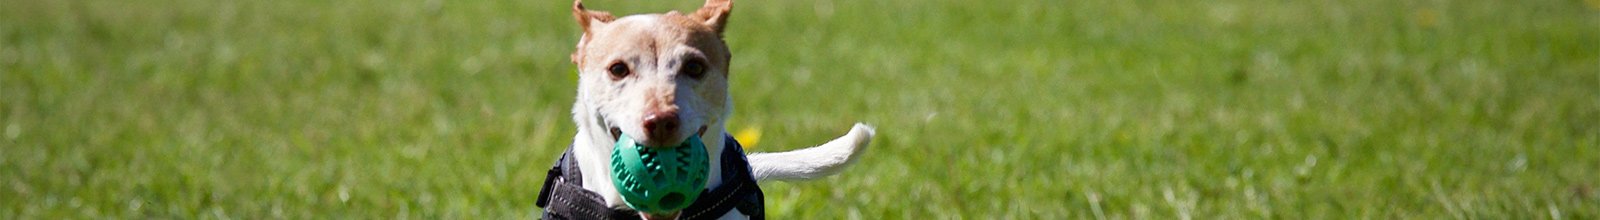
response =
{"points": [[1030, 109]]}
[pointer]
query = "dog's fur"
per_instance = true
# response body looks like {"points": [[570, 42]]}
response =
{"points": [[657, 51]]}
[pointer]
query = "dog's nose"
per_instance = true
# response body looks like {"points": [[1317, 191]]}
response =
{"points": [[659, 127]]}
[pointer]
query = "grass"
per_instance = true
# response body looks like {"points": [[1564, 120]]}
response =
{"points": [[1019, 109]]}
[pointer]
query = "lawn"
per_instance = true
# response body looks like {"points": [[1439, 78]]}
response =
{"points": [[1148, 109]]}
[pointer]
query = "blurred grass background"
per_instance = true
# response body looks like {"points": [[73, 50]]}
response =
{"points": [[1026, 109]]}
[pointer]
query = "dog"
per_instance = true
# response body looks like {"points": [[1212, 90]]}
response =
{"points": [[660, 78]]}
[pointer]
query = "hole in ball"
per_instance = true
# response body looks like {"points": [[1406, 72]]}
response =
{"points": [[672, 200]]}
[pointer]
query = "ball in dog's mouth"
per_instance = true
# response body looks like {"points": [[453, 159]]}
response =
{"points": [[659, 181]]}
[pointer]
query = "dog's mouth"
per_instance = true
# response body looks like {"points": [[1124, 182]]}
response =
{"points": [[616, 133]]}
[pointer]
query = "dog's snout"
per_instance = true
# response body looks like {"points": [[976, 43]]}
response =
{"points": [[661, 126]]}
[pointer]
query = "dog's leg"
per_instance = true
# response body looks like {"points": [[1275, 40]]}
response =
{"points": [[814, 162]]}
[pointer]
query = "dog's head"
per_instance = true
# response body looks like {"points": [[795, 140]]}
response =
{"points": [[657, 78]]}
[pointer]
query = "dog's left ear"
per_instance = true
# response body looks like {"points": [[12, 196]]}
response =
{"points": [[715, 13]]}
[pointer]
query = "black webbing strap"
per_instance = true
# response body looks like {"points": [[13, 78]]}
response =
{"points": [[738, 189], [563, 185], [563, 196]]}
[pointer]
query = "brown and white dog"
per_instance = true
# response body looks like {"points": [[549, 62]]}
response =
{"points": [[660, 78]]}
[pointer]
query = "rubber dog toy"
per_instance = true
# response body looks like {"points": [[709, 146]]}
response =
{"points": [[659, 180]]}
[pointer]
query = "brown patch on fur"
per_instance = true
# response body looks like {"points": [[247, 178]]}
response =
{"points": [[652, 38]]}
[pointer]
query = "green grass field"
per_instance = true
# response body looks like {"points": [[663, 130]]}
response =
{"points": [[1228, 109]]}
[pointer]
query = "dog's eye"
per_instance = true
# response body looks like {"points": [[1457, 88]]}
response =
{"points": [[693, 69], [618, 70]]}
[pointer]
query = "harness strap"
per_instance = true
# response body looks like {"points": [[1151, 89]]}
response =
{"points": [[563, 186], [571, 200], [738, 190]]}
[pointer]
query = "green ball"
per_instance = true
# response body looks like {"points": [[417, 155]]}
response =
{"points": [[659, 179]]}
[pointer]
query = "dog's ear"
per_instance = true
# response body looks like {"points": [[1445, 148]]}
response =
{"points": [[586, 17], [715, 13]]}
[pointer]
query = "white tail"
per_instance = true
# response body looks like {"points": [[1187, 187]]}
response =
{"points": [[810, 163]]}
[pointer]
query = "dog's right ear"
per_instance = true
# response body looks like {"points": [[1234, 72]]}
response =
{"points": [[586, 19]]}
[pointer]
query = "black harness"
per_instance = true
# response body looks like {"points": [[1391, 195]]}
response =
{"points": [[564, 186]]}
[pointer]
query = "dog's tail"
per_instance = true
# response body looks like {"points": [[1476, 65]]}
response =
{"points": [[814, 162]]}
